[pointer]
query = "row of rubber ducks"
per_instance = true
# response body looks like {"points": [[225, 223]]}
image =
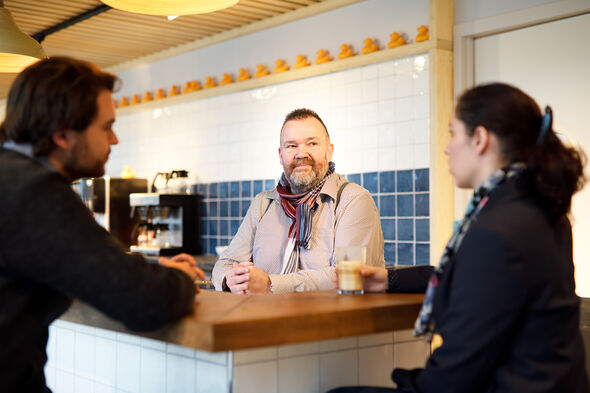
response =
{"points": [[323, 56]]}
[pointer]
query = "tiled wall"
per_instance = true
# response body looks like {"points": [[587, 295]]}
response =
{"points": [[378, 119], [402, 198], [86, 359]]}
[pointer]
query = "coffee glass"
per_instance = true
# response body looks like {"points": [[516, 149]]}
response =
{"points": [[349, 261]]}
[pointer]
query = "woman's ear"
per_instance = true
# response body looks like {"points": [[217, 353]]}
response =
{"points": [[481, 139]]}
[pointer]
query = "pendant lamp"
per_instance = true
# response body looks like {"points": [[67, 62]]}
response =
{"points": [[17, 49], [170, 7]]}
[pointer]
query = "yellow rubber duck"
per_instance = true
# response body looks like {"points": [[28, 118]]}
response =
{"points": [[301, 62], [345, 51], [187, 88], [147, 97], [243, 75], [160, 93], [226, 79], [422, 34], [196, 85], [173, 91], [124, 102], [135, 100], [261, 71], [210, 82], [370, 46], [127, 173], [281, 66], [396, 40], [323, 57]]}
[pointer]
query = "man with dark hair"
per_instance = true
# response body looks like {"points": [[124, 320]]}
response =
{"points": [[287, 240], [58, 128]]}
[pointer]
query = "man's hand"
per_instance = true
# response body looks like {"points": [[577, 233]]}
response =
{"points": [[259, 281], [237, 278], [185, 263], [374, 278]]}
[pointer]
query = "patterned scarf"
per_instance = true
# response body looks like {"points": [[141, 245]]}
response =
{"points": [[299, 208], [424, 323]]}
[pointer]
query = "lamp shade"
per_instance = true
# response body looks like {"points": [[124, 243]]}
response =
{"points": [[17, 49], [170, 7]]}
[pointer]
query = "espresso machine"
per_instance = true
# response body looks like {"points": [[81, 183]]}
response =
{"points": [[167, 223], [108, 200]]}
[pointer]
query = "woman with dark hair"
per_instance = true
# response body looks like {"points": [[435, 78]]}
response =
{"points": [[500, 309]]}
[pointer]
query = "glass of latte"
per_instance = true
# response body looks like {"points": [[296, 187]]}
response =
{"points": [[349, 261]]}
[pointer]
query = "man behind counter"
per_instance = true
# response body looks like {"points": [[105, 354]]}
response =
{"points": [[58, 128], [287, 239]]}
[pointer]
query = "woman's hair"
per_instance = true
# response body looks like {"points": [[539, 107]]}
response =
{"points": [[55, 94], [556, 172]]}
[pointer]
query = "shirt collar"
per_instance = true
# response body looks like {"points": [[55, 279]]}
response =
{"points": [[26, 149]]}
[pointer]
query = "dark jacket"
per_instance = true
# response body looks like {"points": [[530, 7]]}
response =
{"points": [[506, 307], [51, 250]]}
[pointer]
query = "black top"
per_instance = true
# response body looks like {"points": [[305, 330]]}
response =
{"points": [[506, 307], [51, 250]]}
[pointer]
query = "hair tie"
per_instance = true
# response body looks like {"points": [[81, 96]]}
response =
{"points": [[546, 124]]}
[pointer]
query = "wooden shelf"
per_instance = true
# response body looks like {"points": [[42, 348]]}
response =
{"points": [[293, 74]]}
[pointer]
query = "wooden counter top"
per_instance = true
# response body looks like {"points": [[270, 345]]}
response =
{"points": [[224, 321]]}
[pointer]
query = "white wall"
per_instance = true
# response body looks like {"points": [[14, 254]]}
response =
{"points": [[551, 62]]}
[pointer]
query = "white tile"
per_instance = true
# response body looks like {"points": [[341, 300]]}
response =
{"points": [[387, 87], [84, 355], [370, 159], [370, 137], [100, 388], [404, 85], [422, 156], [181, 371], [106, 361], [82, 384], [403, 65], [128, 367], [85, 329], [421, 131], [212, 378], [376, 365], [153, 371], [354, 93], [180, 350], [370, 114], [421, 107], [421, 62], [64, 382], [386, 111], [338, 344], [386, 68], [255, 378], [212, 357], [65, 343], [404, 157], [375, 339], [387, 159], [299, 374], [370, 90], [370, 71], [405, 133], [50, 377], [338, 369], [106, 334], [421, 85], [51, 346], [411, 354], [404, 109], [153, 344], [387, 134], [354, 75], [255, 355], [292, 350]]}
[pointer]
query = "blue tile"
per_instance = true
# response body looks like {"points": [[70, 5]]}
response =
{"points": [[422, 254], [421, 180], [376, 200], [213, 209], [405, 229], [389, 251], [204, 227], [257, 188], [235, 209], [212, 245], [213, 228], [213, 190], [223, 209], [234, 189], [423, 230], [388, 227], [370, 182], [387, 205], [235, 225], [405, 181], [223, 227], [269, 184], [224, 190], [405, 205], [244, 205], [355, 178], [246, 189], [405, 253], [204, 209], [387, 181], [422, 205], [205, 246]]}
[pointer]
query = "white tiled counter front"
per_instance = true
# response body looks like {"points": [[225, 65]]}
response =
{"points": [[84, 358]]}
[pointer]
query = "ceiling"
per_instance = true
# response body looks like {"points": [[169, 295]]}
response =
{"points": [[114, 37]]}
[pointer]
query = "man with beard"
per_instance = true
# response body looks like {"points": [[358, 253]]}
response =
{"points": [[58, 128], [287, 240]]}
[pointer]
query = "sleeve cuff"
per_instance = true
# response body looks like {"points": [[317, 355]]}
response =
{"points": [[280, 283]]}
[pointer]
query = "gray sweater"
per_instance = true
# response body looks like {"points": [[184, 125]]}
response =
{"points": [[52, 250]]}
